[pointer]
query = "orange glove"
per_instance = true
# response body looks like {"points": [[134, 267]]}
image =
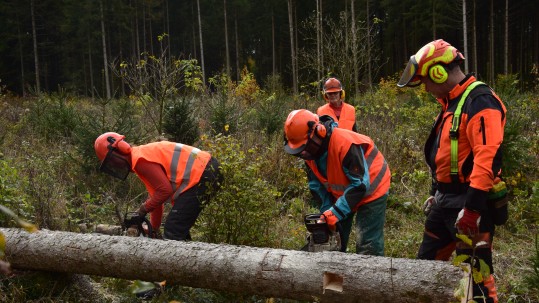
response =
{"points": [[330, 218]]}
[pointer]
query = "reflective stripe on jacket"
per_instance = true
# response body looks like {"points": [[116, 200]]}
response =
{"points": [[346, 120], [337, 182], [183, 164], [480, 135]]}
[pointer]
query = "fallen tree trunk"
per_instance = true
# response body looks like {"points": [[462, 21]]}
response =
{"points": [[326, 276]]}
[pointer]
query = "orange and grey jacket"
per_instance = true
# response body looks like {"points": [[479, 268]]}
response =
{"points": [[182, 164], [347, 118], [480, 135], [352, 172]]}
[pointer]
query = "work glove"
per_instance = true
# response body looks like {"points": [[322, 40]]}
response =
{"points": [[330, 219], [133, 218], [468, 222], [427, 206], [142, 210]]}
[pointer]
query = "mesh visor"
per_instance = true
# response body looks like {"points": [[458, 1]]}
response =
{"points": [[409, 77], [115, 165]]}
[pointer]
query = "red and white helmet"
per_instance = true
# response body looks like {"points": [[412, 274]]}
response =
{"points": [[435, 52]]}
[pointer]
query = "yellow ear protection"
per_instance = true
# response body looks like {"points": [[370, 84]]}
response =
{"points": [[438, 74], [343, 94]]}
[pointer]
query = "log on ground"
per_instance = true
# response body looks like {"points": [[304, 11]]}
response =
{"points": [[322, 277]]}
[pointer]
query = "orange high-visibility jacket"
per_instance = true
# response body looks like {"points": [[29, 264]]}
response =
{"points": [[346, 120], [480, 135], [337, 181], [183, 164]]}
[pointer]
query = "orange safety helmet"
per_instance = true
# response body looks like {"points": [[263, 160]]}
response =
{"points": [[110, 141], [332, 85], [430, 60], [298, 129]]}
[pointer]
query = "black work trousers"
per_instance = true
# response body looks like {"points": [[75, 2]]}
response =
{"points": [[440, 241], [188, 205]]}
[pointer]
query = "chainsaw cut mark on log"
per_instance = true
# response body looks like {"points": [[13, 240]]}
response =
{"points": [[272, 262], [333, 282]]}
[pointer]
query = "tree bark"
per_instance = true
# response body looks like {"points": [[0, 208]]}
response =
{"points": [[201, 44], [292, 46], [506, 40], [105, 59], [226, 42], [34, 39], [465, 35], [322, 277]]}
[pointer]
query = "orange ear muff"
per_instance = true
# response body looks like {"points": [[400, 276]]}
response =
{"points": [[438, 74], [120, 145], [320, 131], [123, 147]]}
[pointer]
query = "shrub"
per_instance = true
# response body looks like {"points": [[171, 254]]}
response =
{"points": [[244, 209], [180, 124]]}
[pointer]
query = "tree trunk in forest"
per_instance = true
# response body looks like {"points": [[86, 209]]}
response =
{"points": [[506, 40], [369, 64], [322, 277], [34, 37], [238, 70], [465, 35], [324, 71], [292, 46], [105, 59], [475, 38], [227, 54], [273, 52], [355, 70], [201, 44], [491, 45], [318, 42]]}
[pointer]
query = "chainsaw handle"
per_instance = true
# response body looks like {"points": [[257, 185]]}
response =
{"points": [[311, 219]]}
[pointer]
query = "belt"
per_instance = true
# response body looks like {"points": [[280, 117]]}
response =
{"points": [[453, 188]]}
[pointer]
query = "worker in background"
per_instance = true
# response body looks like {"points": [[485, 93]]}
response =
{"points": [[464, 155], [174, 172], [342, 113], [347, 174]]}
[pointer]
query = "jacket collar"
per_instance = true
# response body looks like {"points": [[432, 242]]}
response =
{"points": [[457, 90]]}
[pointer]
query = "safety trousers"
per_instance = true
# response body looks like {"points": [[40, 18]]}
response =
{"points": [[370, 220], [189, 204], [440, 241]]}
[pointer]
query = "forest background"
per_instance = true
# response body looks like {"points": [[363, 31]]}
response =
{"points": [[223, 75]]}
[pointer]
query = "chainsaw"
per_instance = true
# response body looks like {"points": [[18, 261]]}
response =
{"points": [[134, 226], [319, 236]]}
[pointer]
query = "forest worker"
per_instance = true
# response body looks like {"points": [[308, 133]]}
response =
{"points": [[175, 172], [347, 175], [342, 113], [463, 154]]}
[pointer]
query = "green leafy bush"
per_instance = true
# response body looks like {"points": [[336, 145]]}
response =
{"points": [[244, 209]]}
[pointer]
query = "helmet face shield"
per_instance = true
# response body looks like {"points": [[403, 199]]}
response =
{"points": [[115, 165], [409, 76]]}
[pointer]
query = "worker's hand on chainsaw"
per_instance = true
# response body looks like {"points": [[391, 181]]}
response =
{"points": [[133, 218], [468, 222], [331, 219], [142, 210]]}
